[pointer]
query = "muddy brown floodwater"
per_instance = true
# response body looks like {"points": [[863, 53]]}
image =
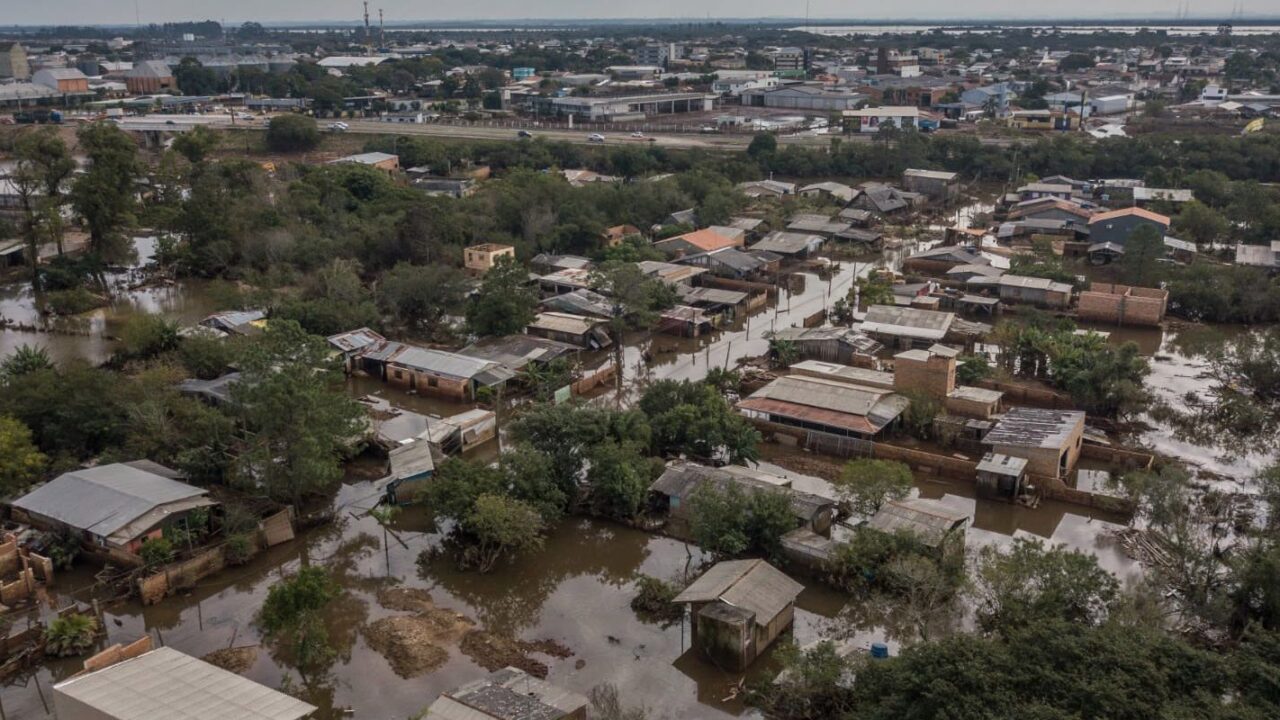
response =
{"points": [[574, 595]]}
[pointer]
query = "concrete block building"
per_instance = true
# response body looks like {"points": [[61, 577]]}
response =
{"points": [[1123, 304], [1049, 440]]}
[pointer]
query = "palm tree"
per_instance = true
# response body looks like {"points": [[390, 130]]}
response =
{"points": [[70, 635]]}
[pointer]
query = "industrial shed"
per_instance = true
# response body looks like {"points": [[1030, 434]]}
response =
{"points": [[832, 344]]}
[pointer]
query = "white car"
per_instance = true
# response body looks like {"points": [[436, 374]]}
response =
{"points": [[244, 116], [638, 135], [338, 127], [595, 138]]}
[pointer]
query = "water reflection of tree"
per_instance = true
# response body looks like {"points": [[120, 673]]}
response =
{"points": [[907, 619], [511, 599], [1239, 413]]}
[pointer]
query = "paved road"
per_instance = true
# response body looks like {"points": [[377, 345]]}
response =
{"points": [[620, 137]]}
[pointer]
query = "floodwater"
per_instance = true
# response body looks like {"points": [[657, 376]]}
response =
{"points": [[576, 590]]}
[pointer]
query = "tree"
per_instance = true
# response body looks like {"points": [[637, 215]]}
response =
{"points": [[105, 196], [762, 144], [196, 144], [972, 368], [291, 616], [695, 420], [619, 478], [1138, 264], [505, 303], [866, 484], [297, 417], [730, 521], [44, 164], [292, 133], [194, 78], [1031, 584], [502, 527], [21, 464], [1200, 223], [333, 300], [420, 296]]}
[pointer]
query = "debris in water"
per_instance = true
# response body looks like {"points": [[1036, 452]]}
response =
{"points": [[494, 652]]}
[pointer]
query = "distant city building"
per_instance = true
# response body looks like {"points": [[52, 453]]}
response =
{"points": [[149, 77], [13, 61]]}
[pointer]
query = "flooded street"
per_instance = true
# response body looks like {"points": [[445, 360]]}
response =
{"points": [[576, 591]]}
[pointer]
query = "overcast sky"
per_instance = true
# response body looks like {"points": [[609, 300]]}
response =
{"points": [[80, 12]]}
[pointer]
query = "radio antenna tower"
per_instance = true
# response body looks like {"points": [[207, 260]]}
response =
{"points": [[382, 31], [368, 38]]}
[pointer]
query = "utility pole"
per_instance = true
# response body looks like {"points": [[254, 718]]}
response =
{"points": [[368, 38], [382, 31]]}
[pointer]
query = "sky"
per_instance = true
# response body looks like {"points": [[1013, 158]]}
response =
{"points": [[86, 12]]}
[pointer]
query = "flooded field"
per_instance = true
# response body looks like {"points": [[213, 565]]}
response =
{"points": [[575, 592]]}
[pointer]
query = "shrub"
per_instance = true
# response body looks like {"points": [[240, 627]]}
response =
{"points": [[292, 133], [239, 549], [157, 552], [71, 302], [70, 635], [653, 601]]}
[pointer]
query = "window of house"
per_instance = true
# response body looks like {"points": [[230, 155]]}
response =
{"points": [[433, 382], [399, 375]]}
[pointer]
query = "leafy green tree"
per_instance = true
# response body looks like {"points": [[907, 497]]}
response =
{"points": [[619, 476], [21, 464], [972, 368], [762, 144], [145, 335], [291, 616], [333, 300], [1200, 223], [297, 417], [784, 352], [421, 295], [292, 133], [729, 522], [502, 527], [105, 196], [76, 411], [194, 78], [43, 166], [196, 145], [1141, 251], [568, 434], [695, 420], [505, 303], [1030, 584], [866, 484]]}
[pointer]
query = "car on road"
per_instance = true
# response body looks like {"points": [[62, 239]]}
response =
{"points": [[595, 138], [524, 134], [637, 135], [245, 116], [708, 129], [339, 127]]}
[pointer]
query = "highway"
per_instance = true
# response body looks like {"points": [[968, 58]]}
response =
{"points": [[508, 129]]}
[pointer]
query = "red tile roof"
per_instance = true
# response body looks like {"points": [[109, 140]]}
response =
{"points": [[1125, 212]]}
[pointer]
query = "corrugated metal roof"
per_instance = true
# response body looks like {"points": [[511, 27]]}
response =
{"points": [[165, 684], [907, 321], [355, 340], [104, 499], [824, 393], [682, 479], [440, 362], [507, 694], [564, 322], [753, 585], [927, 521], [1034, 427]]}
